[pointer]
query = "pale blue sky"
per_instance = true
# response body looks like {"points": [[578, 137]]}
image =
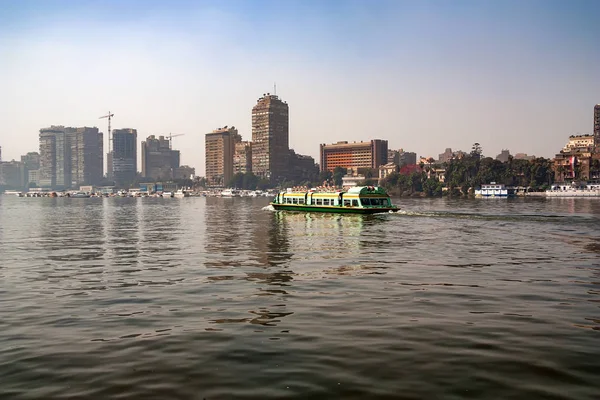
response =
{"points": [[425, 75]]}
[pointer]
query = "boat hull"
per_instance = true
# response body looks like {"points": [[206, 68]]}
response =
{"points": [[332, 209]]}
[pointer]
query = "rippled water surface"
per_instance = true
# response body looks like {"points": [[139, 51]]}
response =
{"points": [[219, 298]]}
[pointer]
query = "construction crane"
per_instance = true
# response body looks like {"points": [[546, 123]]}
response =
{"points": [[109, 116], [171, 136]]}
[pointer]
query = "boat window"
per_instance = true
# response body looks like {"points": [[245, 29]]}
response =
{"points": [[365, 202], [300, 201], [319, 202], [346, 203], [354, 203], [288, 200], [325, 202], [294, 201]]}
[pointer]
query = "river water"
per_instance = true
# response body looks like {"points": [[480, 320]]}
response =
{"points": [[211, 298]]}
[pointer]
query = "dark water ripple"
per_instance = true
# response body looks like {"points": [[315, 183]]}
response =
{"points": [[217, 298]]}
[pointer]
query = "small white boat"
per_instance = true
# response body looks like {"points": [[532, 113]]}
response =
{"points": [[494, 190], [230, 193], [168, 194], [181, 193], [574, 190], [77, 195]]}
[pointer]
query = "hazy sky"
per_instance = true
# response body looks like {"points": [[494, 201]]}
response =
{"points": [[425, 75]]}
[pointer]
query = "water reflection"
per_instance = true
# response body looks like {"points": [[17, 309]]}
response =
{"points": [[162, 232], [123, 231]]}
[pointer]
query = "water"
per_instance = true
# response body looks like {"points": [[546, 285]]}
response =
{"points": [[218, 298]]}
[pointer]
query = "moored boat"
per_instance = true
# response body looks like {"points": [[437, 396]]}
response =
{"points": [[494, 190], [356, 200], [574, 190], [181, 193]]}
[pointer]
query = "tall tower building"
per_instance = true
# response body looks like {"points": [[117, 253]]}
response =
{"points": [[597, 127], [87, 163], [219, 150], [242, 157], [47, 174], [158, 160], [270, 138], [124, 156]]}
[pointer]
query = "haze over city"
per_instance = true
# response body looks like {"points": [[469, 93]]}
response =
{"points": [[422, 75]]}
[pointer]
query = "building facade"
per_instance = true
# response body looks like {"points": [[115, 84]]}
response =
{"points": [[86, 152], [47, 171], [406, 158], [242, 157], [12, 175], [355, 155], [597, 127], [124, 156], [219, 149], [31, 164], [575, 159], [159, 161], [270, 138]]}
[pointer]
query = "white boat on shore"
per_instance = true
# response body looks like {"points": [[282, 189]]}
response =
{"points": [[494, 190], [230, 193], [574, 190], [181, 193]]}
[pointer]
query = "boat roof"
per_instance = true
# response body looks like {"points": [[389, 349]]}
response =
{"points": [[367, 190]]}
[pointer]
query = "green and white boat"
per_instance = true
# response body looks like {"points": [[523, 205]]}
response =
{"points": [[356, 200]]}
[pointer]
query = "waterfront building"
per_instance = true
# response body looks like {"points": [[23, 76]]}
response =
{"points": [[31, 163], [33, 176], [406, 158], [242, 157], [597, 127], [47, 171], [371, 154], [86, 153], [219, 149], [301, 168], [159, 161], [503, 156], [124, 156], [11, 175], [270, 138], [386, 170], [574, 160]]}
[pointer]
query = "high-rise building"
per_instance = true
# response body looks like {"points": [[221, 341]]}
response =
{"points": [[124, 156], [504, 156], [11, 175], [31, 164], [242, 157], [406, 158], [270, 138], [371, 154], [47, 174], [87, 163], [219, 149], [158, 160], [597, 127]]}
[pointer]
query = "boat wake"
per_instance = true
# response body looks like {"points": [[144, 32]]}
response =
{"points": [[268, 208]]}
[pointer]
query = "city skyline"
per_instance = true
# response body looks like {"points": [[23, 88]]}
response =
{"points": [[424, 76]]}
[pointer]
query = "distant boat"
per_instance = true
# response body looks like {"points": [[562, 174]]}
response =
{"points": [[79, 195], [230, 193], [574, 190], [181, 193], [494, 190], [168, 194]]}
